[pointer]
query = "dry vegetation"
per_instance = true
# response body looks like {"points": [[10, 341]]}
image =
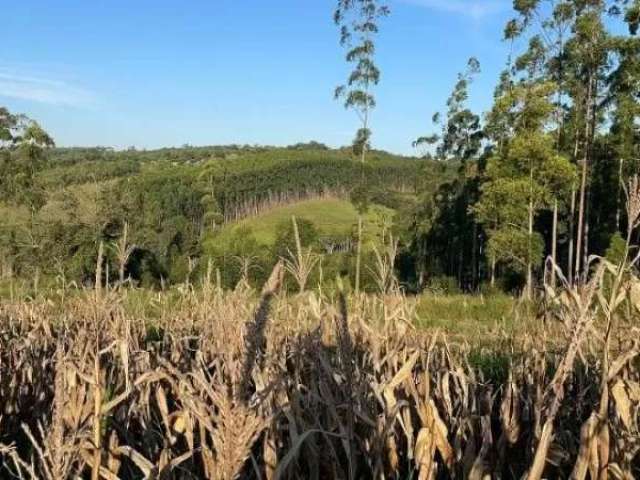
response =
{"points": [[234, 385]]}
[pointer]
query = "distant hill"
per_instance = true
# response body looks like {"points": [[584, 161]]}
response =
{"points": [[179, 201]]}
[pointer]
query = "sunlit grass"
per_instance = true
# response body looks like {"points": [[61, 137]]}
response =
{"points": [[332, 217], [468, 315]]}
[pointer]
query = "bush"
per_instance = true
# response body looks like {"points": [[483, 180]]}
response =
{"points": [[444, 285], [285, 238], [490, 290], [617, 248]]}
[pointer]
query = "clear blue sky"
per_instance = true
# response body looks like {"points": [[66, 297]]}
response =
{"points": [[161, 73]]}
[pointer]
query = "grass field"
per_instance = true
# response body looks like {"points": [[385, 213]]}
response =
{"points": [[332, 218], [470, 315]]}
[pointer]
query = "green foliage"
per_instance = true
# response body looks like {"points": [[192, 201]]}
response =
{"points": [[516, 248], [332, 218], [494, 365], [259, 177], [479, 203], [522, 179], [285, 243], [242, 255], [466, 315], [175, 200], [617, 249], [444, 285], [444, 233], [632, 17], [23, 153], [461, 136], [61, 175]]}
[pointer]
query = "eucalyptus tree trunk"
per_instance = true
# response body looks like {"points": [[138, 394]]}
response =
{"points": [[529, 286], [359, 253], [493, 270], [365, 111], [365, 125], [587, 208], [619, 200], [422, 264], [572, 228], [474, 257], [554, 246], [583, 179], [585, 240]]}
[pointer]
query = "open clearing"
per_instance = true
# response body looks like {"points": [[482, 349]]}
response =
{"points": [[332, 218]]}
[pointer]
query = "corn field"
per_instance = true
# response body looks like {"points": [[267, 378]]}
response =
{"points": [[234, 385]]}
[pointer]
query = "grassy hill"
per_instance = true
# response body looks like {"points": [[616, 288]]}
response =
{"points": [[332, 218]]}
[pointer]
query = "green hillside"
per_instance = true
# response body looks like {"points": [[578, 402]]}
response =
{"points": [[184, 204], [331, 217]]}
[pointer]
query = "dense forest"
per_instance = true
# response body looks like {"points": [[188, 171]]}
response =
{"points": [[491, 196]]}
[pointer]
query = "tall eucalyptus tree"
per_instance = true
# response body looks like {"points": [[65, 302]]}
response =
{"points": [[358, 22], [460, 141]]}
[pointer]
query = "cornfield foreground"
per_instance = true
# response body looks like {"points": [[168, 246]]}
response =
{"points": [[229, 385], [224, 387]]}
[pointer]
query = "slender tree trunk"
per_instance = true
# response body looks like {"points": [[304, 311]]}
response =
{"points": [[359, 253], [572, 220], [579, 236], [587, 207], [554, 246], [585, 240], [474, 257], [365, 120], [559, 138], [423, 262], [365, 125], [493, 271], [583, 180], [529, 286], [559, 111], [460, 266], [619, 199]]}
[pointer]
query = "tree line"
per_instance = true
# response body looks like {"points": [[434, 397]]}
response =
{"points": [[543, 173]]}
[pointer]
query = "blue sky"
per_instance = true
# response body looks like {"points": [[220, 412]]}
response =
{"points": [[162, 73]]}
